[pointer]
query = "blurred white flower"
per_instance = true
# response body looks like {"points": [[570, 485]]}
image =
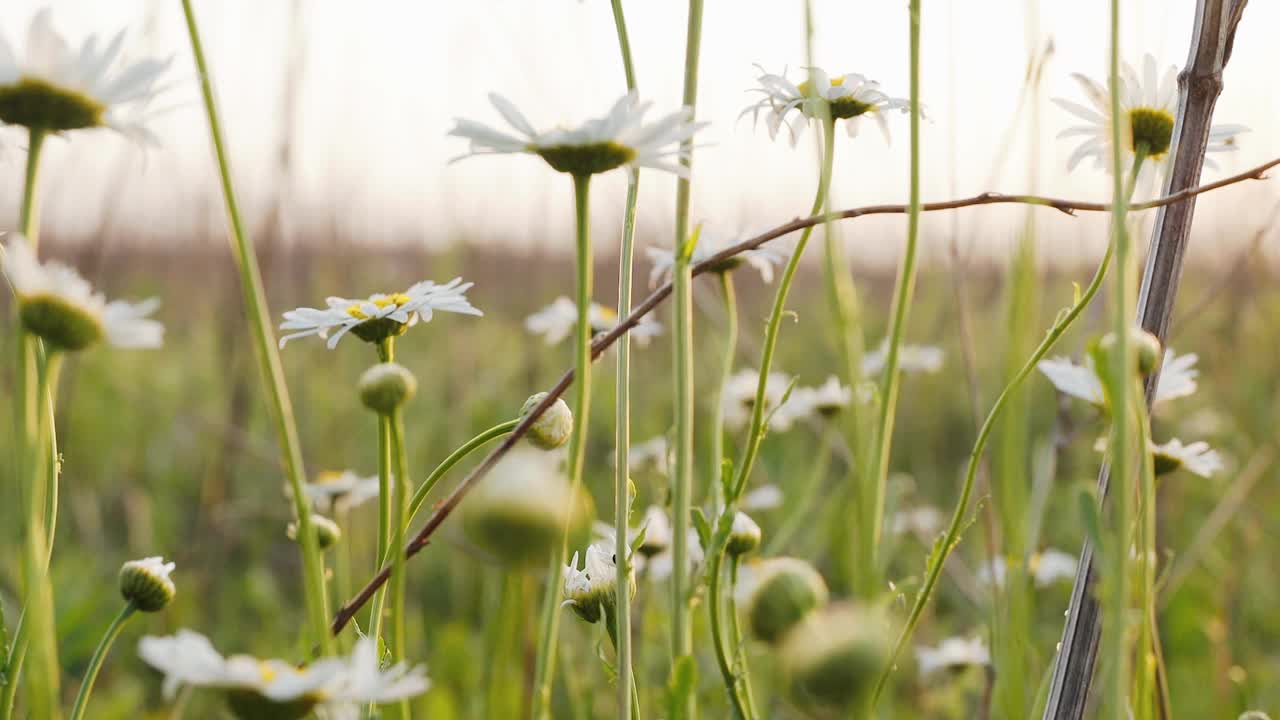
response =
{"points": [[911, 358], [1197, 458], [740, 395], [619, 138], [556, 322], [954, 652], [57, 88], [341, 491], [653, 451], [60, 306], [1046, 568], [380, 316], [851, 98], [924, 521], [1177, 378], [761, 259], [336, 686], [660, 565], [1148, 104], [765, 497]]}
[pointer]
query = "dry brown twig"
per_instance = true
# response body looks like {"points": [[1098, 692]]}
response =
{"points": [[603, 341]]}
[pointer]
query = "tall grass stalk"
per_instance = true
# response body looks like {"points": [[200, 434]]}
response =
{"points": [[549, 624], [627, 697], [268, 355], [682, 310]]}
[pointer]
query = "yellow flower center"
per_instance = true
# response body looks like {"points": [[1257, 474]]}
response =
{"points": [[396, 299], [37, 103], [840, 108]]}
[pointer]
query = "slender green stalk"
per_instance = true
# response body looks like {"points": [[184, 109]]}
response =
{"points": [[715, 466], [627, 697], [724, 656], [682, 310], [386, 478], [1144, 696], [99, 656], [399, 492], [870, 570], [29, 211], [268, 356], [545, 664], [799, 515], [740, 657], [457, 456]]}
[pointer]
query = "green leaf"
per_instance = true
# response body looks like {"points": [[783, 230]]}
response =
{"points": [[703, 527], [686, 251], [1089, 516]]}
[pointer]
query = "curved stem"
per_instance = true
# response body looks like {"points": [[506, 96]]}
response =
{"points": [[715, 471], [399, 493], [255, 302], [455, 457], [740, 654], [99, 655], [715, 606], [544, 666]]}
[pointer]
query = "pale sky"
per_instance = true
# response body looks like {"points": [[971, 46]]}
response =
{"points": [[380, 84]]}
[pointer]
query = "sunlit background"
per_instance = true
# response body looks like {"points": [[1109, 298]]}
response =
{"points": [[337, 115]]}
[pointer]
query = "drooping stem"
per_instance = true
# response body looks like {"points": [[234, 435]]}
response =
{"points": [[399, 493], [716, 461], [544, 666], [455, 457], [99, 656], [725, 655], [903, 294], [268, 355]]}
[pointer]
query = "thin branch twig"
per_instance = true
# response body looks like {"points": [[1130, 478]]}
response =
{"points": [[603, 341]]}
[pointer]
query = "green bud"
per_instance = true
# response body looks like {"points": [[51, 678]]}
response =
{"points": [[585, 160], [778, 594], [63, 325], [553, 427], [1146, 348], [327, 531], [744, 536], [146, 583], [833, 658], [1151, 128], [386, 386]]}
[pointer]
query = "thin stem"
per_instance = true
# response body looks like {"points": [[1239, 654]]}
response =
{"points": [[99, 656], [385, 548], [455, 457], [29, 211], [611, 626], [905, 290], [544, 666], [715, 471], [740, 647], [268, 354], [682, 310], [399, 493], [715, 606]]}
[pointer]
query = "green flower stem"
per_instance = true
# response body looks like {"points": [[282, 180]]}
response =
{"points": [[724, 655], [611, 624], [943, 547], [544, 666], [100, 655], [29, 211], [386, 353], [399, 492], [628, 699], [800, 514], [870, 569], [682, 330], [268, 357], [715, 469], [1145, 692], [457, 456], [731, 606]]}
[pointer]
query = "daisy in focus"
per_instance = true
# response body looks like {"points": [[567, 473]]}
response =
{"points": [[620, 138], [53, 87], [761, 259], [590, 590], [952, 653], [852, 98], [58, 305], [1148, 103], [278, 689], [556, 322], [1177, 378], [379, 317]]}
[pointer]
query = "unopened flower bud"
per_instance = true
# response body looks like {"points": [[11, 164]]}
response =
{"points": [[778, 593], [520, 510], [833, 658], [146, 583], [386, 386], [591, 591], [1146, 348], [553, 427], [327, 531], [60, 323], [744, 536]]}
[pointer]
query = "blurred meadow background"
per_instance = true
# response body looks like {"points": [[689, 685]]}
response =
{"points": [[336, 120]]}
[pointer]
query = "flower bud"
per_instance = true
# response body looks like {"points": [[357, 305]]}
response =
{"points": [[833, 658], [744, 536], [327, 531], [146, 583], [1146, 348], [518, 513], [60, 323], [386, 386], [593, 589], [778, 593], [553, 428]]}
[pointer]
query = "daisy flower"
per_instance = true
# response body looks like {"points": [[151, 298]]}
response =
{"points": [[911, 358], [60, 306], [592, 588], [1148, 104], [761, 259], [765, 497], [1177, 378], [1197, 458], [379, 317], [851, 98], [621, 137], [661, 564], [924, 521], [952, 653], [1046, 568], [51, 86], [653, 451], [146, 583], [275, 688], [740, 395], [341, 491], [556, 322]]}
